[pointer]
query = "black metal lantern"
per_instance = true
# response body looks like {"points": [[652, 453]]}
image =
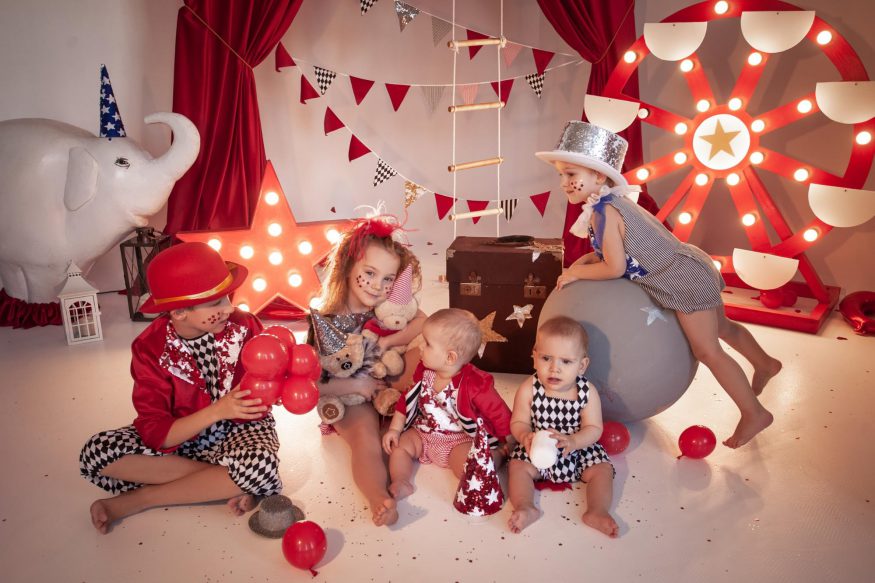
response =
{"points": [[137, 252]]}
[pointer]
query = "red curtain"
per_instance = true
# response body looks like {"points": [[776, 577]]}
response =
{"points": [[601, 31], [217, 45]]}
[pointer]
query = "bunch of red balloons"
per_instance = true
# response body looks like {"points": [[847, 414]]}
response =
{"points": [[277, 368]]}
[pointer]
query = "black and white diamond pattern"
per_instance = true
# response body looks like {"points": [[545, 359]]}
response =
{"points": [[536, 82], [324, 77], [509, 207], [204, 352], [384, 172], [366, 5]]}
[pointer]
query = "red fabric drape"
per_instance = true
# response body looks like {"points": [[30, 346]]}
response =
{"points": [[215, 89], [601, 31], [20, 314]]}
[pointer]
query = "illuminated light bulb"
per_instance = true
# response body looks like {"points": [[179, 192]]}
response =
{"points": [[754, 59], [684, 218], [333, 236], [642, 174], [733, 179], [804, 106], [748, 220], [680, 158], [703, 105], [274, 229], [643, 113], [810, 235], [243, 307], [801, 175], [215, 244], [305, 247], [686, 65], [701, 179], [757, 158], [758, 125], [630, 56], [271, 198], [823, 37], [717, 264], [680, 129], [735, 104], [863, 138], [275, 258], [246, 251], [295, 280], [259, 284], [721, 7]]}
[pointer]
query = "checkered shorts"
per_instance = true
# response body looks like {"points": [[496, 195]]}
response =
{"points": [[569, 469], [436, 446], [248, 450]]}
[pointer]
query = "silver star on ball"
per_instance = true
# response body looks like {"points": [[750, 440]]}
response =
{"points": [[521, 314], [653, 314]]}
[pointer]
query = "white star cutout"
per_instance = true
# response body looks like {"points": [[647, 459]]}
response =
{"points": [[653, 314], [521, 314], [492, 497], [474, 483]]}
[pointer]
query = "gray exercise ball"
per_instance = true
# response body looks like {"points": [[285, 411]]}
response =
{"points": [[640, 360]]}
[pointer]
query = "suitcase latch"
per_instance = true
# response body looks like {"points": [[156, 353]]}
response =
{"points": [[533, 291], [472, 286]]}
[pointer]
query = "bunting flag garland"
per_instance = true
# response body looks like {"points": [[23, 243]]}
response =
{"points": [[542, 59], [439, 29], [307, 90], [356, 148], [472, 35], [444, 204], [508, 206], [324, 77], [366, 5], [384, 172], [406, 13], [505, 89], [468, 93], [282, 58], [477, 205], [432, 95], [536, 82], [360, 88], [540, 201], [332, 122], [412, 191], [397, 93], [509, 53]]}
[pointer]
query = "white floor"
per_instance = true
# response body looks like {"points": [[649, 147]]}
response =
{"points": [[794, 505]]}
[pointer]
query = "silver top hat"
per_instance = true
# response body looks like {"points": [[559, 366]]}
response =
{"points": [[329, 339], [590, 146], [274, 516]]}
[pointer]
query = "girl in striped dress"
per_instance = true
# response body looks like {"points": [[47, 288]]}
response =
{"points": [[631, 243]]}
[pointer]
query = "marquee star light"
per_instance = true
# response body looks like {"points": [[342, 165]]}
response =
{"points": [[279, 253]]}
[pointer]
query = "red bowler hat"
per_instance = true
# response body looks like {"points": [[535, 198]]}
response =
{"points": [[189, 274]]}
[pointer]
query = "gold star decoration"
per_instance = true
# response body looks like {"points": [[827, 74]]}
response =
{"points": [[720, 140], [487, 334]]}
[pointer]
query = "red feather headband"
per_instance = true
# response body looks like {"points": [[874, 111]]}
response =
{"points": [[381, 226]]}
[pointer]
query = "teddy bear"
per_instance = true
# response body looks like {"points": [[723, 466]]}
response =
{"points": [[390, 317]]}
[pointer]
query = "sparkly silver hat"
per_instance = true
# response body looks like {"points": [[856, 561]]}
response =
{"points": [[590, 146], [329, 339], [276, 514]]}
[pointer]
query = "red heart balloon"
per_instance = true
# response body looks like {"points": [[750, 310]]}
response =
{"points": [[265, 357]]}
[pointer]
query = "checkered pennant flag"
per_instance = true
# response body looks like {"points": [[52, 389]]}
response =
{"points": [[508, 206], [324, 77], [366, 5], [384, 172], [536, 82]]}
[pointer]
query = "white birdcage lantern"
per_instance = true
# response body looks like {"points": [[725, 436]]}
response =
{"points": [[79, 308]]}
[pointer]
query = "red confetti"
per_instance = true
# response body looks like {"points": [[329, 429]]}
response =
{"points": [[840, 338]]}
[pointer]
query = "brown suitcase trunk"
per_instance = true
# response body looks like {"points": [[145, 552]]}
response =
{"points": [[489, 275]]}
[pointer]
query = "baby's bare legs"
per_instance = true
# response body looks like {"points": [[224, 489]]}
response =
{"points": [[360, 429], [740, 338], [459, 457], [401, 460], [701, 329], [599, 493], [521, 483]]}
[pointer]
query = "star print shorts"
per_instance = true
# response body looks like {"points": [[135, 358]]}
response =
{"points": [[436, 447]]}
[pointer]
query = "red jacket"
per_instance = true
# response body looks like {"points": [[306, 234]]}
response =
{"points": [[167, 382], [475, 397]]}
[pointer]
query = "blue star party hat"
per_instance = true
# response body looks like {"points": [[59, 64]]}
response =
{"points": [[111, 125]]}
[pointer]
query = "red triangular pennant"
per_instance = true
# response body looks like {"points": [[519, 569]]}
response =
{"points": [[505, 89], [444, 204], [477, 205], [332, 122], [397, 94], [360, 88], [356, 148], [471, 36], [282, 58], [542, 59], [540, 201], [307, 91]]}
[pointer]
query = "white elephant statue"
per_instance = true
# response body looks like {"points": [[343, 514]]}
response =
{"points": [[68, 195]]}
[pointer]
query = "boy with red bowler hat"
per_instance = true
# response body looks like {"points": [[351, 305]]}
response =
{"points": [[185, 447]]}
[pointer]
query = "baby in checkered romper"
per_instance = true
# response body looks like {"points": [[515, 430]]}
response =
{"points": [[559, 399]]}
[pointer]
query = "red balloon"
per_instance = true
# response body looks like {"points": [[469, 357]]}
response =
{"points": [[304, 362], [265, 357], [773, 298], [697, 441], [304, 544], [299, 395], [284, 334], [266, 390], [615, 437]]}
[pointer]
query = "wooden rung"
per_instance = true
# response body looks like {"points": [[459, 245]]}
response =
{"points": [[475, 214], [476, 42], [475, 164], [476, 106]]}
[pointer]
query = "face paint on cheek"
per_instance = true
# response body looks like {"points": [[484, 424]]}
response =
{"points": [[360, 281], [577, 185]]}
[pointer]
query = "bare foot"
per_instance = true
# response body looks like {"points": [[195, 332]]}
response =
{"points": [[401, 489], [385, 513], [748, 427], [763, 375], [242, 504], [100, 516], [522, 517], [602, 522], [109, 510]]}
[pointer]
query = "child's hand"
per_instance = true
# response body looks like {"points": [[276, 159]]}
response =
{"points": [[527, 440], [383, 343], [368, 386], [235, 405], [566, 278], [390, 440], [564, 442]]}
